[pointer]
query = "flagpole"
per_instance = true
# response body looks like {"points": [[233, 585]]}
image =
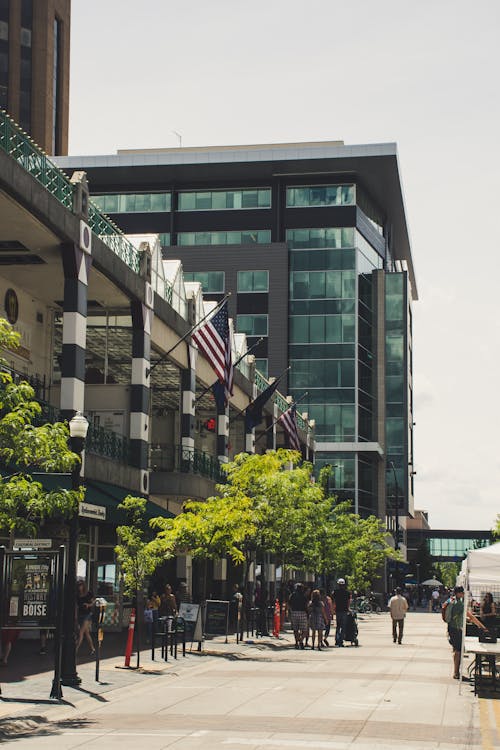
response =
{"points": [[205, 390], [241, 411], [277, 420], [149, 370]]}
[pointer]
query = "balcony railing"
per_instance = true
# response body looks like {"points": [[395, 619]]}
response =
{"points": [[108, 444], [38, 384], [18, 144], [23, 149], [185, 460]]}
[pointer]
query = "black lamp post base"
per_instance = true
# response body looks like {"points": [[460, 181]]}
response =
{"points": [[71, 680]]}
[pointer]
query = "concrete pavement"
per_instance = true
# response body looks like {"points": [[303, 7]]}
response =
{"points": [[268, 695]]}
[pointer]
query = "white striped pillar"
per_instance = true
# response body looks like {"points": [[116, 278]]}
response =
{"points": [[140, 389], [76, 266], [250, 434], [188, 398], [223, 434]]}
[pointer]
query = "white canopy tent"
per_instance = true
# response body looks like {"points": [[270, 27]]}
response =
{"points": [[481, 571]]}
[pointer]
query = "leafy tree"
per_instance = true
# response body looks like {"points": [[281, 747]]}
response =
{"points": [[26, 445], [496, 529], [137, 555], [208, 530], [360, 547], [447, 572]]}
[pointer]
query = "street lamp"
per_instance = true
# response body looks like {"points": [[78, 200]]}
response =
{"points": [[78, 427]]}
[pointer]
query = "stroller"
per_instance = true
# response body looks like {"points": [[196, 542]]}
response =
{"points": [[351, 628]]}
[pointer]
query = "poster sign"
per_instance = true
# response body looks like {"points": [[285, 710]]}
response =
{"points": [[216, 617], [191, 613], [28, 596]]}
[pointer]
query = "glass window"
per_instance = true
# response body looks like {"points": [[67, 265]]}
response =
{"points": [[335, 237], [244, 237], [262, 365], [252, 325], [253, 281], [132, 202], [321, 195], [222, 200], [211, 281]]}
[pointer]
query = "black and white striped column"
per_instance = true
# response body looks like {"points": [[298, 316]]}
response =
{"points": [[76, 266], [271, 429], [139, 396], [223, 434], [188, 396], [250, 434]]}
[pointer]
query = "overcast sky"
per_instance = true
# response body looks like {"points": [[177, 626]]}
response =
{"points": [[423, 74]]}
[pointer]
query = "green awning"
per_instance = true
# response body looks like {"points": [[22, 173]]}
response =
{"points": [[100, 493]]}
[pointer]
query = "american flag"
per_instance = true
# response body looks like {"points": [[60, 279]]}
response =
{"points": [[214, 342], [289, 421]]}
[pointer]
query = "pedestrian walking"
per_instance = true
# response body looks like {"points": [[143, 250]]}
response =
{"points": [[317, 618], [297, 606], [398, 607], [341, 600], [328, 604], [84, 601], [452, 613]]}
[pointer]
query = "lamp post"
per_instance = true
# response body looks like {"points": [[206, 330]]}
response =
{"points": [[78, 427], [396, 515]]}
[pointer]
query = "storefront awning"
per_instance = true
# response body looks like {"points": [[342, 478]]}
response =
{"points": [[101, 494]]}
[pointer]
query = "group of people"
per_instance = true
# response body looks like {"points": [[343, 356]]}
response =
{"points": [[165, 605], [311, 612]]}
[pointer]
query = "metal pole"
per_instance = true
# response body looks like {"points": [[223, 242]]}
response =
{"points": [[69, 674], [59, 576]]}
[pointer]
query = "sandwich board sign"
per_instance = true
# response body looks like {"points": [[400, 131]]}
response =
{"points": [[191, 614]]}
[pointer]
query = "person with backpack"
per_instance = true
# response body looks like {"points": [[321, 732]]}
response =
{"points": [[452, 613]]}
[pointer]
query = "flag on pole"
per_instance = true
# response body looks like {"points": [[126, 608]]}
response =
{"points": [[289, 421], [253, 412], [214, 342]]}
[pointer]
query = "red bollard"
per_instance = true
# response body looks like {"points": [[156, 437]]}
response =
{"points": [[276, 620], [130, 638]]}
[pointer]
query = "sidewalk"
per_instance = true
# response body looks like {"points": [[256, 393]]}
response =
{"points": [[379, 693]]}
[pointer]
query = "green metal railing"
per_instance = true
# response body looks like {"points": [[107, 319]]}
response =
{"points": [[108, 444], [260, 381], [18, 144], [109, 233], [15, 142], [185, 460]]}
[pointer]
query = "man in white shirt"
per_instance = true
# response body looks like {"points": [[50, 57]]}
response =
{"points": [[398, 607]]}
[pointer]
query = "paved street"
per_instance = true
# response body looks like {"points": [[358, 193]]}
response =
{"points": [[268, 695]]}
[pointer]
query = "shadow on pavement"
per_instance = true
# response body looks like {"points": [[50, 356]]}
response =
{"points": [[26, 660], [37, 726]]}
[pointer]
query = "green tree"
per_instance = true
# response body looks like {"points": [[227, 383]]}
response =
{"points": [[360, 547], [208, 530], [25, 446], [447, 572], [496, 529], [138, 555]]}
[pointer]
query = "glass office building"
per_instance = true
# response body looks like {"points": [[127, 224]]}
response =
{"points": [[311, 239]]}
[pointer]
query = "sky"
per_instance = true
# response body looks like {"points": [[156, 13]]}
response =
{"points": [[421, 74]]}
